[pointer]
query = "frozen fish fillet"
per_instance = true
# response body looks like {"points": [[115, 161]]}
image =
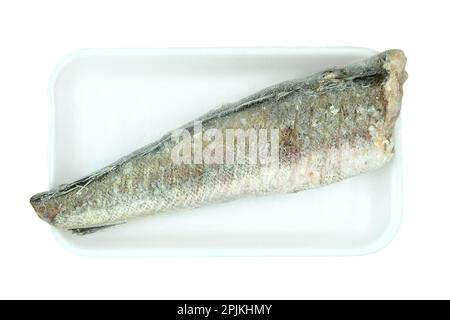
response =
{"points": [[296, 135]]}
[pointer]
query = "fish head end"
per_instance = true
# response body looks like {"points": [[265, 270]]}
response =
{"points": [[382, 133], [395, 62]]}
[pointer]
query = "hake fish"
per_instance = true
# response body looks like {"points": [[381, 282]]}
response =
{"points": [[318, 130]]}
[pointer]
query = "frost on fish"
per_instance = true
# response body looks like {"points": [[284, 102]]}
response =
{"points": [[332, 125]]}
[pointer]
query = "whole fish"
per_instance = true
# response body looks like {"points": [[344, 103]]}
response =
{"points": [[296, 135]]}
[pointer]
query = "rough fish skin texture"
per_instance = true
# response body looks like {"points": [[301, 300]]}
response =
{"points": [[332, 125]]}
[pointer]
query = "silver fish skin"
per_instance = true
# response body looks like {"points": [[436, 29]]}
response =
{"points": [[332, 125]]}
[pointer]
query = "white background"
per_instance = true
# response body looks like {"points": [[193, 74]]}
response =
{"points": [[35, 35]]}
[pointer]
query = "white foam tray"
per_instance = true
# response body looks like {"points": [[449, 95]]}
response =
{"points": [[107, 103]]}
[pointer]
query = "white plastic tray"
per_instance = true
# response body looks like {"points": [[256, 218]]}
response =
{"points": [[107, 103]]}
